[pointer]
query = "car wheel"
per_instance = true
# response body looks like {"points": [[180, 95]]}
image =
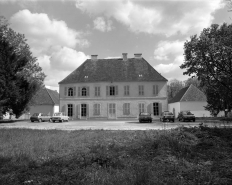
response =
{"points": [[62, 121], [67, 120], [50, 120], [193, 120], [163, 119], [40, 120], [53, 121], [32, 121], [173, 120]]}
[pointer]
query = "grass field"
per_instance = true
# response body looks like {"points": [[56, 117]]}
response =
{"points": [[199, 155]]}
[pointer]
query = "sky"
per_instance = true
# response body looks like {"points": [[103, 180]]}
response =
{"points": [[62, 34]]}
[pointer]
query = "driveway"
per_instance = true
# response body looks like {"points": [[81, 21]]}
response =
{"points": [[98, 124]]}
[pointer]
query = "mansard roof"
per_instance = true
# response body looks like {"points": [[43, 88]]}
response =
{"points": [[190, 93], [114, 70]]}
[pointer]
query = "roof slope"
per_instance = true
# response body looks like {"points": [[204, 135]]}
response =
{"points": [[190, 93], [46, 97], [116, 70]]}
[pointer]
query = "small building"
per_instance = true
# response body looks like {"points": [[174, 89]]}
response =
{"points": [[189, 98], [115, 88], [45, 101]]}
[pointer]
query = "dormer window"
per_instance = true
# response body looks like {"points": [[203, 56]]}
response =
{"points": [[86, 77], [140, 75]]}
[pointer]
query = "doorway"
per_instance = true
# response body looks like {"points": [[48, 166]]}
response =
{"points": [[112, 111]]}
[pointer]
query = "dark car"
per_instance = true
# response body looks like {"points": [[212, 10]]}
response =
{"points": [[167, 116], [40, 117], [186, 116], [144, 116]]}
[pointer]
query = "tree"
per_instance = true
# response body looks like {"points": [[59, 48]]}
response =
{"points": [[20, 75], [208, 57], [194, 81], [174, 87]]}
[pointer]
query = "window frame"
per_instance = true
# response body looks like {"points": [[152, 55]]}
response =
{"points": [[126, 90], [141, 90], [70, 91]]}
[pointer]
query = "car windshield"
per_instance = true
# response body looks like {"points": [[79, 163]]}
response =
{"points": [[35, 114], [145, 114], [57, 114]]}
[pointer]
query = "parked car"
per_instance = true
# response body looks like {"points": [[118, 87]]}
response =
{"points": [[186, 116], [40, 117], [60, 116], [144, 116], [167, 116]]}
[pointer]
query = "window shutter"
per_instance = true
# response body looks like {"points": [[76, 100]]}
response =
{"points": [[73, 111], [107, 90], [116, 90], [79, 91], [99, 88], [87, 91], [149, 108], [128, 90], [160, 108], [124, 108], [65, 91], [74, 91], [87, 110], [78, 111], [63, 108], [95, 91]]}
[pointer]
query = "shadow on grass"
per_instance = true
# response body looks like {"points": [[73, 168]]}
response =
{"points": [[12, 120]]}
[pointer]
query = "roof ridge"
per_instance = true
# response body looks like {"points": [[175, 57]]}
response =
{"points": [[185, 92], [50, 96]]}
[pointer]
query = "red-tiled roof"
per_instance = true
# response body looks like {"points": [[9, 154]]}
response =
{"points": [[190, 93], [116, 70], [46, 97]]}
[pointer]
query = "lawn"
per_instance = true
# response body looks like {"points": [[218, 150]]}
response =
{"points": [[199, 155]]}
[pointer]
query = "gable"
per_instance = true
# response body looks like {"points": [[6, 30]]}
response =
{"points": [[179, 95], [116, 70]]}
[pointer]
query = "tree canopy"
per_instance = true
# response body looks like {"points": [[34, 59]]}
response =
{"points": [[20, 75], [208, 57]]}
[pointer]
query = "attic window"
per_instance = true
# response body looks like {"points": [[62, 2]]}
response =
{"points": [[140, 75], [86, 77]]}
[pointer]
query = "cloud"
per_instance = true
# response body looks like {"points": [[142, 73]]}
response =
{"points": [[44, 33], [102, 25], [60, 64], [52, 42], [171, 57], [156, 17], [168, 49]]}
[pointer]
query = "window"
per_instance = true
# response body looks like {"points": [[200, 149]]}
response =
{"points": [[97, 91], [156, 109], [126, 90], [111, 90], [141, 107], [83, 91], [96, 109], [126, 109], [83, 110], [70, 91], [141, 90], [155, 90], [70, 110]]}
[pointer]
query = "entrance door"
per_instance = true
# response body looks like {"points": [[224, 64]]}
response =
{"points": [[156, 109], [83, 110], [112, 111]]}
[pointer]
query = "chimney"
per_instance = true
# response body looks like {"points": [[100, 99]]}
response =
{"points": [[138, 55], [124, 56], [93, 57]]}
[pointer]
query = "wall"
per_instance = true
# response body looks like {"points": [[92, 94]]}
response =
{"points": [[175, 106], [134, 98], [197, 108], [42, 109]]}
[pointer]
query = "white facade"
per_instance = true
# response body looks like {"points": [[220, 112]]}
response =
{"points": [[101, 105]]}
